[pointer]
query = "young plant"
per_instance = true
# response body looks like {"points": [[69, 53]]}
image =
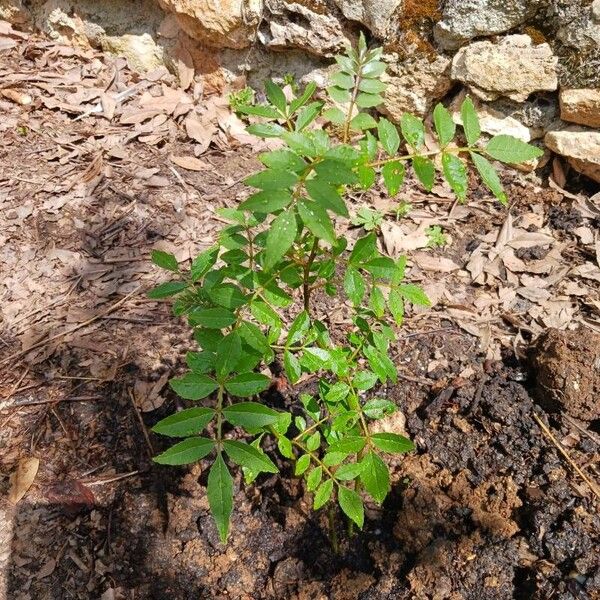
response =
{"points": [[436, 238], [279, 250], [242, 97], [368, 219]]}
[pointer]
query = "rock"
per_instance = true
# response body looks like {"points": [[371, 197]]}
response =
{"points": [[300, 25], [576, 30], [463, 20], [414, 84], [580, 147], [377, 15], [141, 51], [14, 12], [512, 68], [567, 372], [580, 106], [223, 24]]}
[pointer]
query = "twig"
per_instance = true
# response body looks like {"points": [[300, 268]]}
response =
{"points": [[142, 424], [15, 387], [566, 455], [79, 326], [50, 401], [110, 479]]}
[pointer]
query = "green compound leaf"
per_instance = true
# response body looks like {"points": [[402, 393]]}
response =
{"points": [[227, 295], [349, 471], [248, 456], [326, 195], [259, 110], [364, 100], [298, 328], [228, 354], [282, 159], [250, 415], [379, 408], [323, 494], [164, 290], [247, 384], [392, 443], [193, 386], [272, 179], [164, 260], [213, 318], [354, 285], [292, 367], [396, 305], [200, 362], [388, 136], [185, 422], [509, 149], [220, 496], [317, 220], [280, 238], [364, 249], [302, 464], [377, 302], [489, 176], [425, 171], [267, 202], [266, 130], [275, 95], [372, 86], [351, 505], [470, 121], [444, 125], [362, 121], [393, 176], [314, 478], [186, 452], [415, 294], [348, 445], [413, 130], [375, 476], [455, 173]]}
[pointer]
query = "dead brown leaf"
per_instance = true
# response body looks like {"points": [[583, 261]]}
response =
{"points": [[191, 163], [22, 478]]}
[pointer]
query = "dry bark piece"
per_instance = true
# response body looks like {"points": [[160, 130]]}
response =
{"points": [[567, 370]]}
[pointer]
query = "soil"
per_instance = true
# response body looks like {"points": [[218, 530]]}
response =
{"points": [[568, 372], [486, 508]]}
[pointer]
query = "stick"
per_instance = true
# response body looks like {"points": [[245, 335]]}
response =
{"points": [[142, 425], [79, 326], [566, 455]]}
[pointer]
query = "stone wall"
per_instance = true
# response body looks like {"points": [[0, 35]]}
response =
{"points": [[533, 66]]}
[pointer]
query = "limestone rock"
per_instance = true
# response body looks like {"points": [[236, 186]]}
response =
{"points": [[414, 84], [463, 20], [223, 24], [581, 148], [512, 68], [141, 51], [310, 26], [14, 12], [580, 106], [377, 15]]}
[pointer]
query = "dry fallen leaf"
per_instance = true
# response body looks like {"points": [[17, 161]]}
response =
{"points": [[191, 163], [22, 478], [428, 262]]}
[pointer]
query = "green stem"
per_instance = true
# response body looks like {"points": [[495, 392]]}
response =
{"points": [[378, 163], [219, 411]]}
